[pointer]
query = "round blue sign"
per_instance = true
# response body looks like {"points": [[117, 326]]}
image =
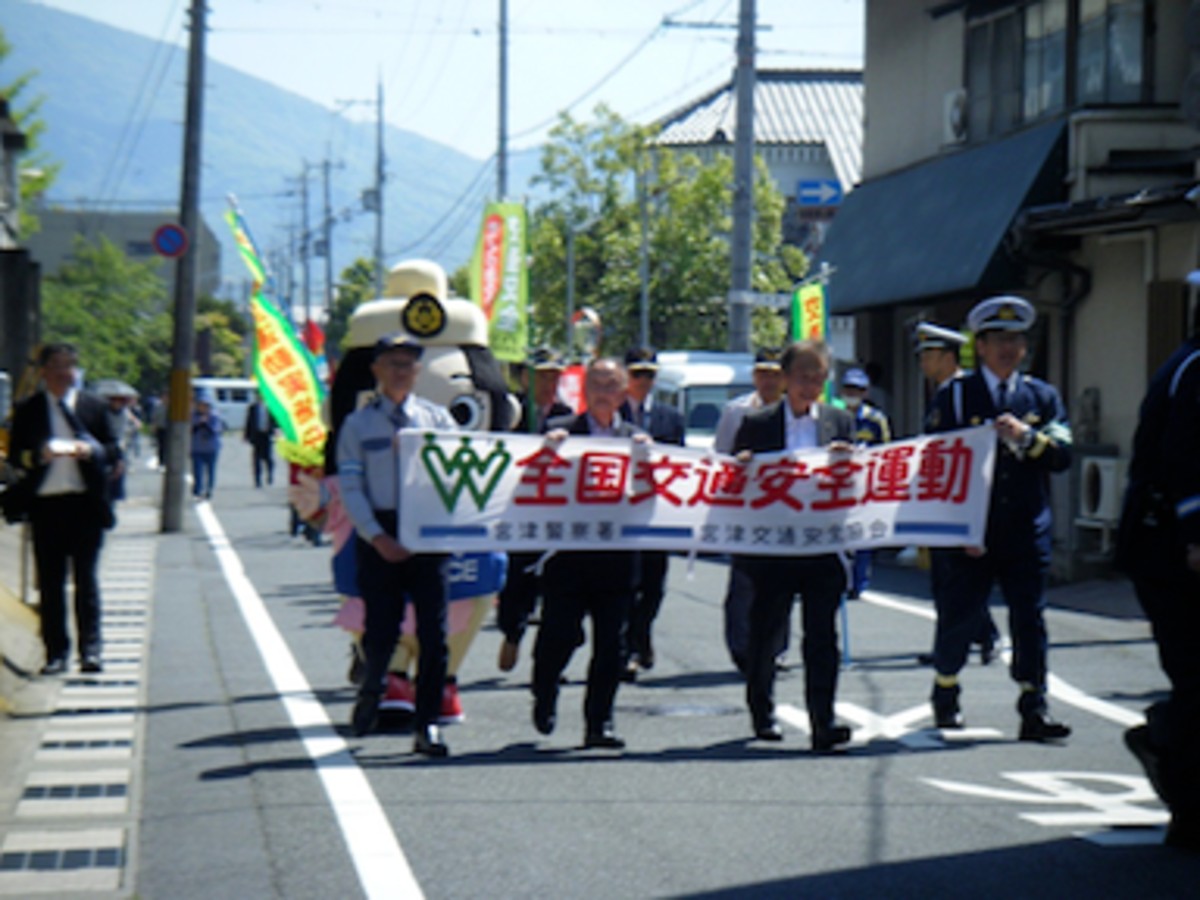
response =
{"points": [[170, 241]]}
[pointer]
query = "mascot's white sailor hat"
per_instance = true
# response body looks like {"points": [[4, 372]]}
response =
{"points": [[417, 303], [1006, 313]]}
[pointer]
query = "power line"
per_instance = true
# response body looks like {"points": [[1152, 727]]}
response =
{"points": [[483, 171]]}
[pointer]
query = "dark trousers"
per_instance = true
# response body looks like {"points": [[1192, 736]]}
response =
{"points": [[264, 459], [941, 561], [1171, 598], [204, 474], [820, 582], [66, 529], [518, 597], [599, 585], [967, 583], [739, 594], [386, 588], [650, 581]]}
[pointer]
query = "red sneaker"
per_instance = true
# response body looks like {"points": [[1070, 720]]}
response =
{"points": [[452, 710], [399, 694]]}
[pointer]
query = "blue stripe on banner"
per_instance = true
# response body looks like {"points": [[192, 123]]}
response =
{"points": [[931, 528], [453, 531], [1186, 507], [652, 531]]}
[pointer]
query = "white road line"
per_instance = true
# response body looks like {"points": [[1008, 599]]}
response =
{"points": [[1057, 687], [383, 869]]}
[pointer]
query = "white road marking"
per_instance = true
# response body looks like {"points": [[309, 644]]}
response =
{"points": [[1056, 687], [383, 869]]}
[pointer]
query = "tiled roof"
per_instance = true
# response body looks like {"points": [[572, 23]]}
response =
{"points": [[791, 106]]}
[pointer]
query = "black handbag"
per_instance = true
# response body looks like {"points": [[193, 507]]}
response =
{"points": [[16, 500]]}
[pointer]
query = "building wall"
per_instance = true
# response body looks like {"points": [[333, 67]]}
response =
{"points": [[914, 61], [131, 232]]}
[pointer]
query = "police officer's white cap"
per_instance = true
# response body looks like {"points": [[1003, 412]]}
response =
{"points": [[1005, 313], [856, 378], [936, 337]]}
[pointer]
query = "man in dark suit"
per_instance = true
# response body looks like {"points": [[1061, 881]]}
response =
{"points": [[665, 425], [797, 422], [62, 442], [1034, 442], [519, 595], [595, 583], [259, 433]]}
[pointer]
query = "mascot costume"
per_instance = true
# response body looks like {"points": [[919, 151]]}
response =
{"points": [[460, 373]]}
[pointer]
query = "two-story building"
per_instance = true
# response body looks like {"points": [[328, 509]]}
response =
{"points": [[1040, 147]]}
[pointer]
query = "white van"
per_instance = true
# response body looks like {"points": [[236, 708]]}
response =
{"points": [[231, 397], [699, 383]]}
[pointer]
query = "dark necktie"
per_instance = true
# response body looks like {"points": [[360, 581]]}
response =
{"points": [[399, 418], [1002, 396]]}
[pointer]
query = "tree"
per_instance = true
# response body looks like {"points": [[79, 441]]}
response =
{"points": [[225, 332], [37, 171], [592, 171], [356, 286]]}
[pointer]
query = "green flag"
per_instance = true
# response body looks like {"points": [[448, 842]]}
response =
{"points": [[500, 279]]}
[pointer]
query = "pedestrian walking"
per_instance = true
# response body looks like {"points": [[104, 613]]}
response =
{"points": [[259, 433], [207, 428], [1034, 442], [871, 427]]}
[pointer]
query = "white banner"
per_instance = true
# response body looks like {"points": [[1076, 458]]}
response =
{"points": [[488, 491]]}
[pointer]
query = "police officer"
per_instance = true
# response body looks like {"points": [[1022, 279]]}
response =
{"points": [[368, 470], [1034, 441], [871, 426], [1158, 544], [665, 425], [938, 350], [519, 595]]}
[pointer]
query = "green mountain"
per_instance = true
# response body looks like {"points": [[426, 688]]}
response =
{"points": [[113, 104]]}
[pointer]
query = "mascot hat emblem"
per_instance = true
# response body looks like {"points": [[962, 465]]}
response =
{"points": [[424, 316]]}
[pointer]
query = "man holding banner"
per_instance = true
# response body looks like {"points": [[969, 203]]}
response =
{"points": [[797, 422]]}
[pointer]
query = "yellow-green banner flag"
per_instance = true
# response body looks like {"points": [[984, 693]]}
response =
{"points": [[500, 279], [810, 319]]}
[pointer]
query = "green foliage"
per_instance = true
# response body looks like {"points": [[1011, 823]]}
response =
{"points": [[36, 171], [593, 171], [115, 311], [228, 336], [356, 286]]}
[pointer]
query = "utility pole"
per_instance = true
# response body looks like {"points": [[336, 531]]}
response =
{"points": [[380, 177], [502, 142], [328, 238], [743, 184], [305, 244], [179, 405], [644, 260]]}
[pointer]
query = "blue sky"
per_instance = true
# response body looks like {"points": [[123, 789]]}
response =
{"points": [[438, 58]]}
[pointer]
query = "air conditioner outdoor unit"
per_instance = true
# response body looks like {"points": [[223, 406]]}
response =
{"points": [[954, 116], [1101, 488]]}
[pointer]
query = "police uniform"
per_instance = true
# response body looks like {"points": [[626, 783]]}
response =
{"points": [[665, 425], [930, 336], [1018, 536], [368, 473], [871, 426], [1160, 520]]}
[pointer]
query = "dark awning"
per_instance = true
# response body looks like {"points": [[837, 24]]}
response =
{"points": [[938, 228]]}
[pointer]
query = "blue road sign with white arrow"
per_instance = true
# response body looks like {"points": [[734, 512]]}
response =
{"points": [[819, 192]]}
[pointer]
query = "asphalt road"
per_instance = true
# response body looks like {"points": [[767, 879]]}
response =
{"points": [[252, 787]]}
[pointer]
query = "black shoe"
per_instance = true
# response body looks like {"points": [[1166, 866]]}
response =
{"points": [[366, 712], [1040, 728], [428, 742], [91, 665], [543, 715], [603, 739], [987, 653], [55, 666], [1183, 834], [829, 737], [1138, 741], [947, 717], [646, 654], [768, 731]]}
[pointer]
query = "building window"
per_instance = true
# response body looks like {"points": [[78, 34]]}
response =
{"points": [[1110, 51], [1018, 59]]}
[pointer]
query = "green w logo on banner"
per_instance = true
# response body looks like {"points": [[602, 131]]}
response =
{"points": [[464, 470]]}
